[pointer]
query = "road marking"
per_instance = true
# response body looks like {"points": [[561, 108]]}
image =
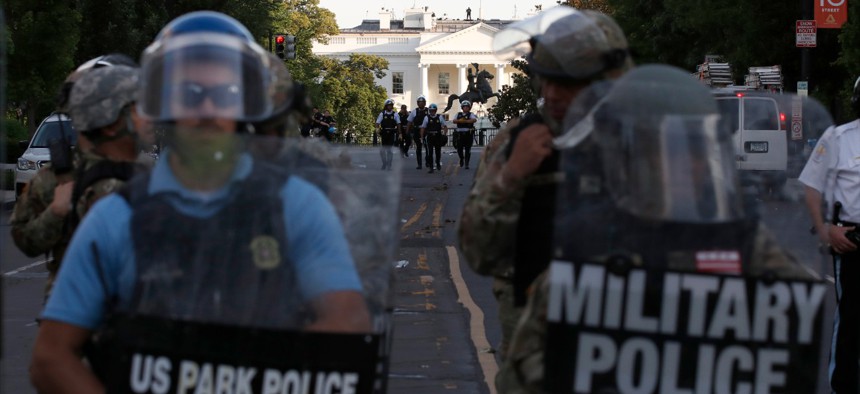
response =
{"points": [[26, 267], [437, 220], [415, 217], [476, 323]]}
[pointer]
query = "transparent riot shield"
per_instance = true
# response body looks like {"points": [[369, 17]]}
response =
{"points": [[3, 138], [265, 268], [677, 268]]}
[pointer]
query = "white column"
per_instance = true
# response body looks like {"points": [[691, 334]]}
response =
{"points": [[500, 74], [464, 84], [424, 81]]}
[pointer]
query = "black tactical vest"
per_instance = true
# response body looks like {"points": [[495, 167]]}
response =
{"points": [[418, 120], [463, 115], [388, 122], [230, 268], [434, 124]]}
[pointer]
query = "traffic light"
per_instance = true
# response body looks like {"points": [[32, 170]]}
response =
{"points": [[280, 41], [291, 46]]}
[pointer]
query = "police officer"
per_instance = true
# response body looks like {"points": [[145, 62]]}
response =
{"points": [[507, 218], [414, 122], [464, 133], [205, 78], [831, 176], [405, 137], [387, 127], [671, 197], [109, 137], [433, 129]]}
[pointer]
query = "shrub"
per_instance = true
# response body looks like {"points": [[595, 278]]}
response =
{"points": [[15, 132]]}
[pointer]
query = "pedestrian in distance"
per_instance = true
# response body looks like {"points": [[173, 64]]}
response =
{"points": [[414, 122], [465, 132], [434, 129], [387, 127], [405, 138]]}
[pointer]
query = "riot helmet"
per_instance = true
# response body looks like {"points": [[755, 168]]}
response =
{"points": [[466, 103], [206, 65], [665, 154], [288, 102], [100, 97], [433, 107], [387, 103], [421, 100], [112, 59]]}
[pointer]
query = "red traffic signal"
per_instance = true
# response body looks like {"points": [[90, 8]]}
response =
{"points": [[280, 39], [279, 45]]}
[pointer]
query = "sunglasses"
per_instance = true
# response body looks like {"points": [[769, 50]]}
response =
{"points": [[223, 96]]}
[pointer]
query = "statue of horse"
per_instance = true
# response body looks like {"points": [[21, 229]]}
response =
{"points": [[479, 93]]}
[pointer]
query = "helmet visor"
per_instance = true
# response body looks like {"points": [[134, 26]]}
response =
{"points": [[676, 168], [199, 76], [514, 41]]}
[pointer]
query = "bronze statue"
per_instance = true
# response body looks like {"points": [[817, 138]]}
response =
{"points": [[478, 90]]}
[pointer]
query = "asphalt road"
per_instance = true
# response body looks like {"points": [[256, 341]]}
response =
{"points": [[444, 315]]}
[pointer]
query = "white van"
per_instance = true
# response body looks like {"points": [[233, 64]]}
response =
{"points": [[760, 135], [37, 153]]}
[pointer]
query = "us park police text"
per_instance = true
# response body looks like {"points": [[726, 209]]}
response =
{"points": [[153, 374], [738, 334]]}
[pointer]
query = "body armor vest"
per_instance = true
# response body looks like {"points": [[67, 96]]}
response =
{"points": [[229, 268], [434, 124], [418, 120], [461, 128], [388, 123]]}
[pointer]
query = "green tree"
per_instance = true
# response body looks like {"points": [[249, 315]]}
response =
{"points": [[515, 99], [348, 89], [44, 35]]}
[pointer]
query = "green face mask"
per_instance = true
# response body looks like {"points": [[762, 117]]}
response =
{"points": [[206, 154]]}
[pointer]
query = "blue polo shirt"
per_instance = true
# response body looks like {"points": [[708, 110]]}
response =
{"points": [[317, 245]]}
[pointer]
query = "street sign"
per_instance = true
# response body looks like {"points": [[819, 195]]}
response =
{"points": [[802, 88], [805, 33], [797, 118], [831, 14]]}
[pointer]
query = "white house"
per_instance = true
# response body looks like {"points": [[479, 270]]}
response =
{"points": [[427, 56]]}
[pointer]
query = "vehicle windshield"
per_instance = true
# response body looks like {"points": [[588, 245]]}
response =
{"points": [[50, 131]]}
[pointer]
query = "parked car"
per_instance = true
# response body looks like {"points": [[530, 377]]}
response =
{"points": [[37, 154]]}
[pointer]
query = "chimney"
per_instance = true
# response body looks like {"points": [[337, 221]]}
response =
{"points": [[384, 20], [428, 21]]}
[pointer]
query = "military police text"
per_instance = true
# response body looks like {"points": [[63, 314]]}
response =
{"points": [[738, 335]]}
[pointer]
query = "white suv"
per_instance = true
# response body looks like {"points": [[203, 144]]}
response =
{"points": [[37, 153]]}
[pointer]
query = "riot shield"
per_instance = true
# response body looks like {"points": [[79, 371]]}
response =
{"points": [[3, 138], [281, 285], [676, 267]]}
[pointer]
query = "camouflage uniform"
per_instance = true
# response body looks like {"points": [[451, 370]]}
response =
{"points": [[488, 224], [523, 370], [36, 230], [95, 101]]}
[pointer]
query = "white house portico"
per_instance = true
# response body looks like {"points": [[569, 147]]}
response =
{"points": [[430, 57]]}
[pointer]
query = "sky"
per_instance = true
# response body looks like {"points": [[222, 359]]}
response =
{"points": [[349, 13]]}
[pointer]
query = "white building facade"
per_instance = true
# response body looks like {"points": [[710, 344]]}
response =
{"points": [[427, 56]]}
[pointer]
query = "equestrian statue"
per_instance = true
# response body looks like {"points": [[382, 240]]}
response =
{"points": [[479, 91]]}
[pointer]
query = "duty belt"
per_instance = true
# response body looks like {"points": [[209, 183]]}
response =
{"points": [[462, 130]]}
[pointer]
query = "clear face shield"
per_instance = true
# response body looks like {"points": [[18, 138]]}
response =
{"points": [[677, 168], [204, 76]]}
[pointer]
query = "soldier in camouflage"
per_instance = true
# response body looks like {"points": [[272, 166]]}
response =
{"points": [[100, 102], [515, 183], [642, 197]]}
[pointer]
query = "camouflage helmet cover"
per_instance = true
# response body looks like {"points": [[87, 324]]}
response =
{"points": [[578, 47], [99, 95]]}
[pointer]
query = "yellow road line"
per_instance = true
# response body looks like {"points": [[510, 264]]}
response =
{"points": [[476, 323], [415, 217], [437, 220]]}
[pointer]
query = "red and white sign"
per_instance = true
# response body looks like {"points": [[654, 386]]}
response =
{"points": [[831, 14], [719, 261], [805, 34], [796, 119]]}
